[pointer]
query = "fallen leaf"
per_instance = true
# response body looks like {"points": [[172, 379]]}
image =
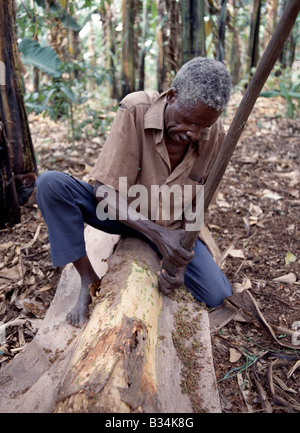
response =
{"points": [[44, 289], [293, 192], [240, 287], [14, 273], [293, 369], [271, 195], [290, 258], [237, 254], [31, 306], [234, 355], [290, 229], [255, 210], [288, 278], [282, 322], [221, 202]]}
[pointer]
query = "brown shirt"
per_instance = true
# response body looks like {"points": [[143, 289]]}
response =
{"points": [[135, 150]]}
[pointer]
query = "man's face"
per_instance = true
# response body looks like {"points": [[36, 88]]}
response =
{"points": [[184, 126]]}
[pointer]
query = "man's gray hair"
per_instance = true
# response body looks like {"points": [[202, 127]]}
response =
{"points": [[205, 80]]}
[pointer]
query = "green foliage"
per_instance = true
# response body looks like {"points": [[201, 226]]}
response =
{"points": [[288, 87], [77, 88], [69, 99], [53, 99], [43, 58]]}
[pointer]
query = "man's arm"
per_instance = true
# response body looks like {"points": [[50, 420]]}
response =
{"points": [[167, 241]]}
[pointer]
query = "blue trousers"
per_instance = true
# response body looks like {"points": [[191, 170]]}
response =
{"points": [[67, 204]]}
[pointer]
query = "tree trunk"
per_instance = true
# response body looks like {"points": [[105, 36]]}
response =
{"points": [[287, 55], [109, 39], [271, 20], [193, 29], [12, 109], [235, 50], [144, 31], [9, 205], [128, 46], [222, 31], [253, 48], [168, 38]]}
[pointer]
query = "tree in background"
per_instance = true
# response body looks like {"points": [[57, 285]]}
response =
{"points": [[222, 31], [18, 166], [193, 29], [129, 46], [168, 38], [137, 43], [288, 53], [107, 15], [253, 47], [235, 49]]}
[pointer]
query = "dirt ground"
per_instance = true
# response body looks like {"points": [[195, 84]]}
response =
{"points": [[255, 222]]}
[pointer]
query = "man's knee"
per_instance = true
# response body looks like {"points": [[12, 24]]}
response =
{"points": [[216, 297], [210, 287], [48, 183], [49, 179]]}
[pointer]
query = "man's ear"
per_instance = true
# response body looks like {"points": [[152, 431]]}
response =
{"points": [[171, 95]]}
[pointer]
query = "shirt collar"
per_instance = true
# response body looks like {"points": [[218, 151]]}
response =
{"points": [[154, 118]]}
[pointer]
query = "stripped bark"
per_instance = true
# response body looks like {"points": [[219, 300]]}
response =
{"points": [[113, 366]]}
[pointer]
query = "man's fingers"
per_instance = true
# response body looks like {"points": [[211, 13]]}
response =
{"points": [[167, 283], [181, 260], [164, 284], [172, 250], [186, 255]]}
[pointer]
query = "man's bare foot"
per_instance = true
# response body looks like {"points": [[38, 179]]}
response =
{"points": [[88, 276], [78, 315]]}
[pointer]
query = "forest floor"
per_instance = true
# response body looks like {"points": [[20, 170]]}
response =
{"points": [[255, 222]]}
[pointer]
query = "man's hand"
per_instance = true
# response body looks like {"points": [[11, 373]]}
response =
{"points": [[169, 244], [167, 283], [167, 241]]}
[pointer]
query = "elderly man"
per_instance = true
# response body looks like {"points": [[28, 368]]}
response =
{"points": [[168, 140]]}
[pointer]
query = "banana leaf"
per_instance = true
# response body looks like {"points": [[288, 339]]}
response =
{"points": [[43, 58]]}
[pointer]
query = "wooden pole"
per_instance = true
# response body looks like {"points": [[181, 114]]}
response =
{"points": [[262, 72]]}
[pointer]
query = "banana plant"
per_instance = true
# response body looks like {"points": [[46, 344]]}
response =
{"points": [[290, 91]]}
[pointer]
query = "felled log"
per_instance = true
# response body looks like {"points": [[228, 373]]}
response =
{"points": [[140, 351]]}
